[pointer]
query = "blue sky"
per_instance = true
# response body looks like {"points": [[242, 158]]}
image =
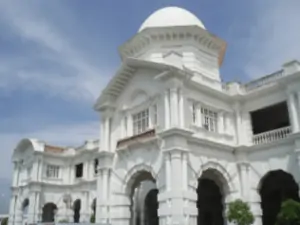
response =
{"points": [[56, 56]]}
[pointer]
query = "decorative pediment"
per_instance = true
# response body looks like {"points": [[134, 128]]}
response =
{"points": [[138, 97]]}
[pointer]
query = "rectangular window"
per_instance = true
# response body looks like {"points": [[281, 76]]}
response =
{"points": [[52, 171], [140, 122], [96, 163], [79, 170], [209, 119]]}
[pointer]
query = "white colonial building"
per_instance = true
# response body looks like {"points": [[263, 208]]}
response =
{"points": [[176, 143]]}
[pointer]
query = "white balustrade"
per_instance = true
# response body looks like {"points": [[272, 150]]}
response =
{"points": [[272, 135], [263, 81]]}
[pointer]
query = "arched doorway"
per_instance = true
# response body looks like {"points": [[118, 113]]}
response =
{"points": [[275, 187], [49, 211], [76, 209], [93, 216], [140, 187], [211, 192], [151, 207], [25, 206]]}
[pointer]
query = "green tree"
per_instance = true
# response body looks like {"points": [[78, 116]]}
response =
{"points": [[289, 213], [239, 213], [92, 219], [4, 221]]}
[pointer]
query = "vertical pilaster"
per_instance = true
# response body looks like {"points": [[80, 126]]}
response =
{"points": [[244, 180], [12, 206], [293, 112], [181, 108], [35, 170], [199, 115], [221, 122], [31, 208], [174, 106], [103, 184], [238, 124], [167, 108], [102, 134], [168, 171], [107, 134], [16, 174]]}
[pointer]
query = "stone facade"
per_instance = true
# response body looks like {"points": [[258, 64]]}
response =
{"points": [[167, 117]]}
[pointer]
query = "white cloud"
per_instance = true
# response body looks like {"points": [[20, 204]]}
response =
{"points": [[27, 22], [64, 135], [274, 37]]}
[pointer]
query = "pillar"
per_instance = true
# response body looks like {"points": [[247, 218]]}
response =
{"points": [[238, 124], [221, 122], [12, 206], [107, 134], [102, 134], [298, 109], [84, 214], [293, 112], [174, 106], [244, 180], [16, 173], [175, 203], [167, 109], [198, 115], [35, 170], [181, 108], [103, 187], [31, 208]]}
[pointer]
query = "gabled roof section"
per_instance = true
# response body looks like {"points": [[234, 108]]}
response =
{"points": [[118, 83]]}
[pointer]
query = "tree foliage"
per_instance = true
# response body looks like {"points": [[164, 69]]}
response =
{"points": [[92, 219], [289, 213], [4, 221], [239, 213]]}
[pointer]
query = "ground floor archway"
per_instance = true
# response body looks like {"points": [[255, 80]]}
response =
{"points": [[151, 207], [211, 193], [76, 209], [49, 211], [143, 193], [275, 187]]}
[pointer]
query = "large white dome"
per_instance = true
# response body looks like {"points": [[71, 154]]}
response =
{"points": [[170, 17]]}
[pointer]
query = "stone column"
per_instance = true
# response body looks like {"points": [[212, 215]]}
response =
{"points": [[84, 215], [167, 109], [35, 170], [107, 134], [31, 208], [199, 115], [12, 212], [293, 112], [221, 122], [181, 108], [238, 123], [174, 106], [18, 211], [103, 184], [16, 173], [298, 110], [254, 201], [102, 135], [244, 180]]}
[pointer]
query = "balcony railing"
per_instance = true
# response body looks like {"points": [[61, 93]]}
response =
{"points": [[139, 137], [263, 81], [271, 136]]}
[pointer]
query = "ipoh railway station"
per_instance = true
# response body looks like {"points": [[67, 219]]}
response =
{"points": [[176, 145]]}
